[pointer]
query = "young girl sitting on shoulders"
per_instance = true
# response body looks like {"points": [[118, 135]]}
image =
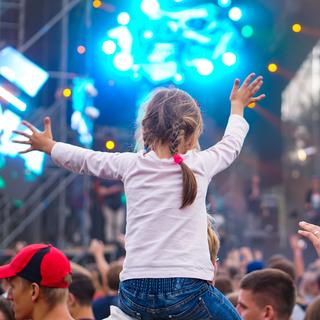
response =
{"points": [[167, 269]]}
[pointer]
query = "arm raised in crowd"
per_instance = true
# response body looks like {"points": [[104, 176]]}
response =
{"points": [[297, 252], [97, 250], [222, 154]]}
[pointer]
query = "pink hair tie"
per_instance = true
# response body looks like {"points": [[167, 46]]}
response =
{"points": [[177, 158]]}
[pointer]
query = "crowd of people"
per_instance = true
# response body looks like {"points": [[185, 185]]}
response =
{"points": [[41, 283], [171, 268]]}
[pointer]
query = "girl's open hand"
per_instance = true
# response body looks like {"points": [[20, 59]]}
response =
{"points": [[38, 140], [240, 97]]}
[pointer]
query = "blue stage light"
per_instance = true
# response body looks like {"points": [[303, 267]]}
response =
{"points": [[166, 42], [123, 18], [12, 99], [109, 47], [136, 75], [123, 61], [229, 59], [22, 72], [235, 14], [10, 121], [150, 7], [148, 34], [123, 37], [247, 31], [159, 72], [34, 161], [178, 78], [204, 66], [224, 3]]}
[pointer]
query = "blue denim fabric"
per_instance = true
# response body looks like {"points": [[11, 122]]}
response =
{"points": [[174, 298]]}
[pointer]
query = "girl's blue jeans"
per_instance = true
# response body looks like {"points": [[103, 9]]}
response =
{"points": [[174, 298]]}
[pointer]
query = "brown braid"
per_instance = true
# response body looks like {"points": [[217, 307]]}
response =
{"points": [[172, 117]]}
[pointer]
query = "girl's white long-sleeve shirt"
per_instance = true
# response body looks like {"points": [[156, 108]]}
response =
{"points": [[162, 241]]}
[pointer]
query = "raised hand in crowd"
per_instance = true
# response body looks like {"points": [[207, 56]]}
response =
{"points": [[312, 232]]}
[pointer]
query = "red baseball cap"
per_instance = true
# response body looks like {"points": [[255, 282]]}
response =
{"points": [[40, 263]]}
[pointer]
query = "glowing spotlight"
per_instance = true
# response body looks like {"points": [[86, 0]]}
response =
{"points": [[10, 98], [123, 18], [109, 47], [81, 49], [150, 7], [235, 14], [229, 59], [136, 76], [204, 66], [247, 31], [110, 145], [302, 155], [296, 27], [251, 105], [22, 72], [2, 183], [272, 67], [148, 34], [123, 61], [178, 78], [224, 3], [67, 92], [96, 3]]}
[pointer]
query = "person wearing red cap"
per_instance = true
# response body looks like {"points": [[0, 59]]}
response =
{"points": [[39, 277]]}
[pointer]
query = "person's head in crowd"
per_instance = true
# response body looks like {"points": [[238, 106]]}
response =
{"points": [[113, 276], [275, 257], [101, 306], [235, 275], [254, 266], [4, 287], [100, 290], [6, 312], [309, 288], [223, 284], [267, 294], [233, 272], [233, 298], [285, 265], [19, 245], [81, 292], [39, 277], [313, 310]]}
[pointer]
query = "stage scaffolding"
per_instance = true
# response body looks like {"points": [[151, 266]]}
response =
{"points": [[12, 32], [12, 21]]}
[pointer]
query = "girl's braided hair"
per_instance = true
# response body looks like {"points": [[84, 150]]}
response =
{"points": [[173, 117]]}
